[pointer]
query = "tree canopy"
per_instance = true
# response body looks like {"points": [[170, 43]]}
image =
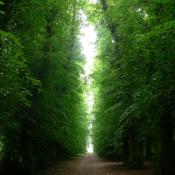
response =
{"points": [[43, 111], [43, 114], [134, 82]]}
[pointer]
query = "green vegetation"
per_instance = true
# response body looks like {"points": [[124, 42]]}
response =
{"points": [[135, 82], [43, 115]]}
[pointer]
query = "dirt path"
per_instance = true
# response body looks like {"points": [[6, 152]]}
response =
{"points": [[92, 165]]}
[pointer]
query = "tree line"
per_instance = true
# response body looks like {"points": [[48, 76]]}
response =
{"points": [[42, 111], [134, 81]]}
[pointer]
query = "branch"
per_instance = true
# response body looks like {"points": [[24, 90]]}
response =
{"points": [[104, 4]]}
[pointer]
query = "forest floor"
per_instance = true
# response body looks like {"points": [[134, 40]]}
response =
{"points": [[93, 165]]}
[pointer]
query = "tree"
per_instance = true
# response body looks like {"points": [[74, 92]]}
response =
{"points": [[48, 111], [133, 92]]}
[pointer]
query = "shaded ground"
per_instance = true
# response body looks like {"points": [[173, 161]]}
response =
{"points": [[93, 165]]}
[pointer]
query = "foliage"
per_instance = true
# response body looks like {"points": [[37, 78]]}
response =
{"points": [[43, 115], [134, 78]]}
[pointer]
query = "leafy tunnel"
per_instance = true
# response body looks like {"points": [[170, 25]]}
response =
{"points": [[80, 76]]}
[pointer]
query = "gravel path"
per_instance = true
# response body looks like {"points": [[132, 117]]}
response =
{"points": [[93, 165]]}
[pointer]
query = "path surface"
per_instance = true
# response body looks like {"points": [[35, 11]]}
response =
{"points": [[93, 165]]}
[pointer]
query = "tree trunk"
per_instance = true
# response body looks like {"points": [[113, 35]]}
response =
{"points": [[148, 149], [111, 26], [167, 157], [72, 34], [43, 65], [125, 151], [135, 156]]}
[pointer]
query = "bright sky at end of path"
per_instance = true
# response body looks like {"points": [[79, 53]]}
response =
{"points": [[88, 37], [88, 42], [93, 1]]}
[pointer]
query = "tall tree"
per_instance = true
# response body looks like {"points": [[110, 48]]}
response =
{"points": [[48, 114], [133, 93]]}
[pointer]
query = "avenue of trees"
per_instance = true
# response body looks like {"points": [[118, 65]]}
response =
{"points": [[43, 115], [134, 81], [42, 110]]}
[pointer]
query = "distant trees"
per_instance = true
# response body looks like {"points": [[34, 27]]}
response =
{"points": [[43, 115], [134, 76]]}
